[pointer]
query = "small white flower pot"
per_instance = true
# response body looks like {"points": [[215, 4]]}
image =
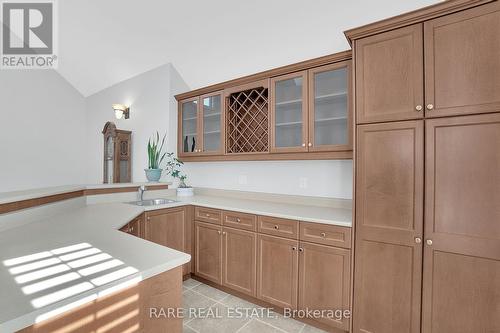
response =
{"points": [[185, 191]]}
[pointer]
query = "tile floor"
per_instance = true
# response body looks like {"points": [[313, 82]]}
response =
{"points": [[210, 308]]}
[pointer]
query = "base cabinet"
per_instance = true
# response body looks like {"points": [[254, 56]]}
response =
{"points": [[277, 272], [324, 282], [239, 257], [167, 227], [208, 251]]}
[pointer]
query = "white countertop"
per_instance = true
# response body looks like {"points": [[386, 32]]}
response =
{"points": [[307, 213], [92, 228], [7, 197]]}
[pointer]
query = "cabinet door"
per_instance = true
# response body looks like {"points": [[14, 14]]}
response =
{"points": [[168, 228], [389, 76], [324, 281], [288, 113], [208, 251], [389, 209], [239, 260], [462, 250], [189, 124], [212, 124], [462, 62], [330, 116], [277, 271]]}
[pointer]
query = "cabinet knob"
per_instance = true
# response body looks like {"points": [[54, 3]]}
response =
{"points": [[301, 249], [207, 215], [218, 232], [294, 248], [276, 227], [303, 145], [223, 232], [418, 240], [419, 108], [149, 219], [429, 242], [430, 106], [309, 144], [323, 234], [238, 220], [131, 229]]}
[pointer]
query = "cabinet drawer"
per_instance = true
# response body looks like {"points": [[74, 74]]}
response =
{"points": [[279, 227], [239, 220], [208, 215], [326, 234]]}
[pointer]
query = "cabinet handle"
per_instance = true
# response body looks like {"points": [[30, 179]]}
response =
{"points": [[323, 234], [418, 240], [309, 144], [303, 145], [294, 248], [429, 242], [419, 108], [301, 249], [218, 232], [430, 106], [276, 227], [131, 229]]}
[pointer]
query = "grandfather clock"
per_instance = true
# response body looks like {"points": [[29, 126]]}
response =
{"points": [[117, 154]]}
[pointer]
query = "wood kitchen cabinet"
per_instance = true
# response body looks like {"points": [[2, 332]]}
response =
{"points": [[201, 125], [324, 281], [289, 113], [389, 223], [277, 271], [389, 75], [168, 227], [239, 255], [208, 251], [330, 116], [462, 71], [461, 289], [134, 227]]}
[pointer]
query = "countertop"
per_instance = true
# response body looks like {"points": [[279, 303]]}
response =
{"points": [[92, 232], [8, 197], [307, 213]]}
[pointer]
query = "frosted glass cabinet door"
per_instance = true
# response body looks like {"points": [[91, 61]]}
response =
{"points": [[329, 108], [211, 106], [289, 112], [189, 132]]}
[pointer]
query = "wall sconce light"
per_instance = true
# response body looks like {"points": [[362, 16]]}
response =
{"points": [[121, 111]]}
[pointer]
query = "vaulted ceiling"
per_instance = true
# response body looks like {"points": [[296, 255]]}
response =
{"points": [[104, 42]]}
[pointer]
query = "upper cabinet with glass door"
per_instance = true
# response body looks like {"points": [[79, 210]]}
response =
{"points": [[212, 124], [289, 113], [189, 127], [329, 108]]}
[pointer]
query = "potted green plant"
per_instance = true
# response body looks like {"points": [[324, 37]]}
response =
{"points": [[155, 157], [174, 169]]}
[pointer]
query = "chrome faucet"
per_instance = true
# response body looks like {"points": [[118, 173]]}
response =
{"points": [[140, 192]]}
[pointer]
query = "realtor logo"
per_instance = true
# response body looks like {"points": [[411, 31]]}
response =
{"points": [[28, 34]]}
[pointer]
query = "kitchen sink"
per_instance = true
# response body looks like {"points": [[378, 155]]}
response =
{"points": [[153, 202]]}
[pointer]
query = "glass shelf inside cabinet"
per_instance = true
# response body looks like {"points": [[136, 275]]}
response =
{"points": [[212, 111], [288, 124], [330, 107], [189, 126]]}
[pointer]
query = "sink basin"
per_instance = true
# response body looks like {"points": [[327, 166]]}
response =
{"points": [[152, 202]]}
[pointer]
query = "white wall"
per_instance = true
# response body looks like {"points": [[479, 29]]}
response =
{"points": [[42, 137], [149, 98]]}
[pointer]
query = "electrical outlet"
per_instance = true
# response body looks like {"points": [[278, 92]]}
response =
{"points": [[242, 180], [303, 182]]}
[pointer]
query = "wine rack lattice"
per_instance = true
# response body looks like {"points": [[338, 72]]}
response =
{"points": [[247, 122]]}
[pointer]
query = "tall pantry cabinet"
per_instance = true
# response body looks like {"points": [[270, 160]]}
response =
{"points": [[427, 247]]}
